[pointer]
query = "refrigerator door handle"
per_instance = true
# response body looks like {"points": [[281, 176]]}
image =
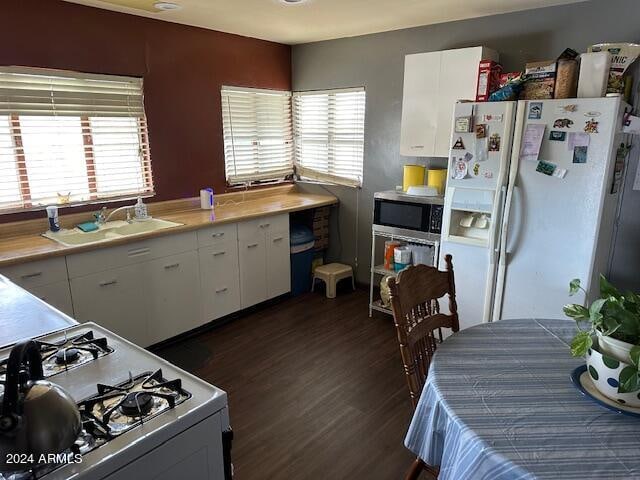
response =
{"points": [[496, 238], [515, 223]]}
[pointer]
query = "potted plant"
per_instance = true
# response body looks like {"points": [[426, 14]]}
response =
{"points": [[613, 356]]}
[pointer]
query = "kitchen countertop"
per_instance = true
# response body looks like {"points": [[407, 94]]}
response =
{"points": [[23, 315], [21, 246]]}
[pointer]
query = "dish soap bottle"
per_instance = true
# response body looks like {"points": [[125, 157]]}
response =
{"points": [[141, 210]]}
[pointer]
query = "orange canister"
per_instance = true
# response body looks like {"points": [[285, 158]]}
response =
{"points": [[389, 247]]}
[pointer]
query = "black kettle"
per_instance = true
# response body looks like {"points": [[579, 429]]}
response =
{"points": [[37, 417]]}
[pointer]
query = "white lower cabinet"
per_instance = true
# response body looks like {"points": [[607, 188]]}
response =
{"points": [[264, 259], [278, 263], [253, 270], [219, 280], [173, 293], [55, 294], [114, 299], [46, 279], [152, 290]]}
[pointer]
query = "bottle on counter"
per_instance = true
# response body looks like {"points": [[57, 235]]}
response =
{"points": [[54, 221]]}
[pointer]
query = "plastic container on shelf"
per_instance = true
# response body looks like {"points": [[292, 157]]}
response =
{"points": [[302, 242], [421, 254], [389, 247], [401, 258]]}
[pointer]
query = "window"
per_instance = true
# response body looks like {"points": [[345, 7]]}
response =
{"points": [[66, 133], [329, 135], [258, 141]]}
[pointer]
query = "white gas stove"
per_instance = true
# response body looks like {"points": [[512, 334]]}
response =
{"points": [[142, 417]]}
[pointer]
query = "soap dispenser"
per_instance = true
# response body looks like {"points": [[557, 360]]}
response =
{"points": [[141, 210]]}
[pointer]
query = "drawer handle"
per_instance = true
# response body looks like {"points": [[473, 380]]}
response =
{"points": [[265, 225], [252, 245], [278, 239], [217, 235], [110, 282], [172, 265], [215, 254], [138, 252], [222, 290], [32, 275], [417, 146]]}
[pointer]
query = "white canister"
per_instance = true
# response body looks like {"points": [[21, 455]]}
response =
{"points": [[206, 199], [594, 74]]}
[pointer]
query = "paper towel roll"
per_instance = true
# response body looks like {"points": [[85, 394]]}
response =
{"points": [[206, 199]]}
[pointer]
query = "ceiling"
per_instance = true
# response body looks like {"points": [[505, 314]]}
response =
{"points": [[317, 20]]}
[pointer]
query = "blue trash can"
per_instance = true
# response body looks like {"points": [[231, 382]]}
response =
{"points": [[302, 242]]}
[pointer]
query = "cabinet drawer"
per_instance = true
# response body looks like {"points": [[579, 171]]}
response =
{"points": [[35, 274], [57, 295], [82, 264], [252, 228], [217, 235], [220, 280]]}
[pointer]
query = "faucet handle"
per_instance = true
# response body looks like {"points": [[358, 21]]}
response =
{"points": [[101, 215]]}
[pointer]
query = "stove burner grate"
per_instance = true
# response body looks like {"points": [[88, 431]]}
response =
{"points": [[119, 408], [71, 352]]}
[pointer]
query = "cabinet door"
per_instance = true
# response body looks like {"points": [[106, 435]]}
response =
{"points": [[115, 299], [419, 104], [174, 295], [219, 280], [278, 263], [458, 81], [253, 269], [57, 295]]}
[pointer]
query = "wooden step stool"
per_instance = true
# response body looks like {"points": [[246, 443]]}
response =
{"points": [[331, 274]]}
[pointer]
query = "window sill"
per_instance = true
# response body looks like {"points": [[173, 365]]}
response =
{"points": [[257, 186]]}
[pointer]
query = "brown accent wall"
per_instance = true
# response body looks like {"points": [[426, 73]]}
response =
{"points": [[183, 68]]}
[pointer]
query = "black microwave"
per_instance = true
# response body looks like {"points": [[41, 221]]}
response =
{"points": [[409, 212]]}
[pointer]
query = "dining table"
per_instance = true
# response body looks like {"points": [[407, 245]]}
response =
{"points": [[499, 404]]}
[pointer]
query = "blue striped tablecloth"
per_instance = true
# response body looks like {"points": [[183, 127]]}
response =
{"points": [[499, 404]]}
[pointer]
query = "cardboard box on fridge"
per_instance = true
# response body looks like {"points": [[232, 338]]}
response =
{"points": [[540, 80], [488, 79]]}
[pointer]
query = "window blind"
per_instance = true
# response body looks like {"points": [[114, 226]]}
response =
{"points": [[257, 131], [329, 135], [68, 137]]}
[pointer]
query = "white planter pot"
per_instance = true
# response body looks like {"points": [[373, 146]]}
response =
{"points": [[614, 348], [604, 371]]}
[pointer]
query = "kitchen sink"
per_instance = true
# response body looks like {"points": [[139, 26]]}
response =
{"points": [[109, 231]]}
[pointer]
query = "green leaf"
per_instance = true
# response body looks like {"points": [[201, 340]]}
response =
{"points": [[576, 311], [611, 325], [581, 343], [629, 380], [574, 286], [597, 306], [635, 356], [606, 289]]}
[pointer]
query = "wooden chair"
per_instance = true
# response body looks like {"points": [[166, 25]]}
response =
{"points": [[416, 313]]}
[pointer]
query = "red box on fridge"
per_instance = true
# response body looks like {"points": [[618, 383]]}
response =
{"points": [[488, 79]]}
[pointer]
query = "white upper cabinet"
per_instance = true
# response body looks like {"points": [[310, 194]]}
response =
{"points": [[433, 82]]}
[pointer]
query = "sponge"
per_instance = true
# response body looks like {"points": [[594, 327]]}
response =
{"points": [[88, 226]]}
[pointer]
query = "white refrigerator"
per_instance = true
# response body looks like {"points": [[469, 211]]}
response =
{"points": [[531, 202]]}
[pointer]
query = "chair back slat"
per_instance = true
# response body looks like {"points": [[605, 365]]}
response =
{"points": [[415, 295]]}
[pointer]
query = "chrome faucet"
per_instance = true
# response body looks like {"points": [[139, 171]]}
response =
{"points": [[102, 217]]}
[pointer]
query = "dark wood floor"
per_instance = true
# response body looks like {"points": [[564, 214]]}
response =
{"points": [[316, 389]]}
